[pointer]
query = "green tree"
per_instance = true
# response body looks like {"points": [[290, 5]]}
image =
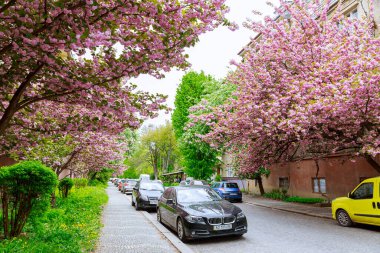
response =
{"points": [[199, 158], [188, 93]]}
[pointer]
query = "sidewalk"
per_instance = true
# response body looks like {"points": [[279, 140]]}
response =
{"points": [[127, 230], [306, 209]]}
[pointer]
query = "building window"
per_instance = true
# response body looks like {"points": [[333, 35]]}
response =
{"points": [[353, 14], [283, 182], [319, 185], [230, 172]]}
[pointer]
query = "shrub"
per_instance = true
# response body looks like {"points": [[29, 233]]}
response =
{"points": [[22, 186], [304, 200], [80, 182], [73, 226], [65, 186], [276, 194], [218, 178]]}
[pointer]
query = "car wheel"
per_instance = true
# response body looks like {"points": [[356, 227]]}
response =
{"points": [[132, 203], [137, 206], [159, 215], [181, 231], [343, 218]]}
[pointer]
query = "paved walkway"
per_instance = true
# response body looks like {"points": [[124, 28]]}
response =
{"points": [[311, 210], [127, 230]]}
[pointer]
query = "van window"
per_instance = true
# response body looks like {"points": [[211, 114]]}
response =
{"points": [[364, 191]]}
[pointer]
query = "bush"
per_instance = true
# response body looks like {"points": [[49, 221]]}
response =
{"points": [[276, 194], [65, 186], [218, 178], [304, 200], [72, 227], [23, 186], [167, 184], [80, 182]]}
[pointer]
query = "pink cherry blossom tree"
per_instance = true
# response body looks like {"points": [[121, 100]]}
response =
{"points": [[307, 87], [81, 52]]}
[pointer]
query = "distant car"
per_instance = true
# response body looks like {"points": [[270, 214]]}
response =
{"points": [[198, 182], [144, 177], [362, 205], [120, 184], [228, 190], [186, 181], [128, 185], [116, 181], [199, 212], [145, 194]]}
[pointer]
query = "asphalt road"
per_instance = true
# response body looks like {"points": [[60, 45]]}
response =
{"points": [[276, 231]]}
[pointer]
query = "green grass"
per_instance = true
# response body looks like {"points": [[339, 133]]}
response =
{"points": [[73, 226], [281, 195], [304, 200]]}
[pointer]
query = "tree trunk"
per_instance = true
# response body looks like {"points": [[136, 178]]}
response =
{"points": [[373, 162], [261, 187], [14, 102], [53, 200]]}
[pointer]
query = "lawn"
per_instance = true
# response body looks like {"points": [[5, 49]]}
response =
{"points": [[73, 226]]}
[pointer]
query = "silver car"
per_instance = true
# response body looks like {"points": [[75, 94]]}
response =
{"points": [[128, 185]]}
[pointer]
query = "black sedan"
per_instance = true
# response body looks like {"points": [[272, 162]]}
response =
{"points": [[199, 212], [146, 193]]}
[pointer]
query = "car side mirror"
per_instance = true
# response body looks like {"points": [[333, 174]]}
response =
{"points": [[135, 188], [349, 195], [170, 202]]}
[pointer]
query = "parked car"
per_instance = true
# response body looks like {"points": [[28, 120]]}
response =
{"points": [[116, 182], [199, 212], [186, 181], [144, 177], [128, 185], [228, 190], [146, 193], [362, 205], [120, 184], [198, 182]]}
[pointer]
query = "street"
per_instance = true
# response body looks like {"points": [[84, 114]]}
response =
{"points": [[277, 231]]}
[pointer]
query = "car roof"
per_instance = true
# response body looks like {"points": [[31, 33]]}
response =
{"points": [[183, 187]]}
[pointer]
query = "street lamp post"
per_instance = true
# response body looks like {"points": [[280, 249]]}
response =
{"points": [[153, 152]]}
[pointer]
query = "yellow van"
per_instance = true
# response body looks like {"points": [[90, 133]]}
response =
{"points": [[362, 205]]}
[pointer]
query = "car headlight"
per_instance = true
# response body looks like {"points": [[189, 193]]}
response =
{"points": [[195, 219], [240, 215], [143, 197]]}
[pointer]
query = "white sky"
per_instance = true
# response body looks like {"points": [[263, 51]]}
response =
{"points": [[212, 53]]}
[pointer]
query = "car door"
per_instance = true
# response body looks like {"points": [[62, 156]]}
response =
{"points": [[375, 211], [172, 209], [163, 206], [362, 199], [135, 192]]}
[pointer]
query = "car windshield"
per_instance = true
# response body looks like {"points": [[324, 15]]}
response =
{"points": [[123, 180], [197, 195], [232, 185], [152, 187]]}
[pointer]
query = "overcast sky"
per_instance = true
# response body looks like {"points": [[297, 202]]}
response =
{"points": [[212, 53]]}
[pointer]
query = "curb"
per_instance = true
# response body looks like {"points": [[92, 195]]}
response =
{"points": [[289, 211], [177, 243], [183, 248]]}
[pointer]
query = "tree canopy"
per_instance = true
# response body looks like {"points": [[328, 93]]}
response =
{"points": [[306, 88]]}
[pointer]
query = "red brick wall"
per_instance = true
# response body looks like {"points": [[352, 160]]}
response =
{"points": [[5, 161], [341, 175]]}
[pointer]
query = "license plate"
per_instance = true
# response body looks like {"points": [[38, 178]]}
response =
{"points": [[153, 202], [223, 227], [233, 193]]}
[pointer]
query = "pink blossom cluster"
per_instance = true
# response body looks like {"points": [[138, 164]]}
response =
{"points": [[64, 64], [309, 85]]}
